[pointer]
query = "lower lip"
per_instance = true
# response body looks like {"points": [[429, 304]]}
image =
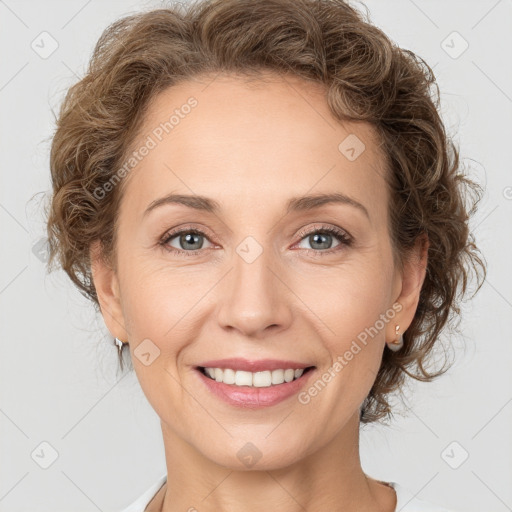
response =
{"points": [[254, 398]]}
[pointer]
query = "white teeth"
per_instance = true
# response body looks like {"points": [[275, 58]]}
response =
{"points": [[289, 375], [277, 376], [262, 379], [229, 376], [243, 378]]}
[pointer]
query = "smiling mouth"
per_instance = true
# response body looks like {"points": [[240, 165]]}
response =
{"points": [[261, 379]]}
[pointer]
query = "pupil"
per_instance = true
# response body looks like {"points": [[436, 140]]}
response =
{"points": [[325, 245], [189, 239]]}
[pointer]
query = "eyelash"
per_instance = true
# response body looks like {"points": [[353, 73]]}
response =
{"points": [[342, 236]]}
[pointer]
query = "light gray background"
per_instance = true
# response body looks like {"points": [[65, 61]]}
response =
{"points": [[58, 379]]}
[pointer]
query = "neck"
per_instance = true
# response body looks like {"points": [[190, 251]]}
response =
{"points": [[331, 478]]}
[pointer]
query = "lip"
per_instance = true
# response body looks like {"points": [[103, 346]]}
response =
{"points": [[247, 365], [251, 397]]}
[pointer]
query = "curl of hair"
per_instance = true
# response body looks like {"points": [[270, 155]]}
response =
{"points": [[366, 78]]}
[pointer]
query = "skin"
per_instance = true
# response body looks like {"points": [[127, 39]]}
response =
{"points": [[251, 147]]}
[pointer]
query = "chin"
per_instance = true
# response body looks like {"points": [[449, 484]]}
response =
{"points": [[257, 455]]}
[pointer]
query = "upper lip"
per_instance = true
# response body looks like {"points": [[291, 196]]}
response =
{"points": [[237, 363]]}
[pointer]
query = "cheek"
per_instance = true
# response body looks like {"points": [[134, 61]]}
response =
{"points": [[160, 301], [354, 298], [356, 307], [145, 299]]}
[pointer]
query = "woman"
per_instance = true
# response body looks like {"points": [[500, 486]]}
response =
{"points": [[261, 200]]}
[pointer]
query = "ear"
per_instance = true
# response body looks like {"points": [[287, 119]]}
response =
{"points": [[107, 289], [409, 283]]}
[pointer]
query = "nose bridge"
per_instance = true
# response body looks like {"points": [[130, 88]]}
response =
{"points": [[253, 298]]}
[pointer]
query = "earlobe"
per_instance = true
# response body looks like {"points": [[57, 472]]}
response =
{"points": [[107, 288]]}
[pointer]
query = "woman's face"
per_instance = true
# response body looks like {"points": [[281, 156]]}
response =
{"points": [[260, 277]]}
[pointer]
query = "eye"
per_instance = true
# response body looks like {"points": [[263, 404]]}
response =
{"points": [[320, 239], [190, 241], [187, 240]]}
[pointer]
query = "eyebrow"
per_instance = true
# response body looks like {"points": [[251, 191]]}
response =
{"points": [[295, 204]]}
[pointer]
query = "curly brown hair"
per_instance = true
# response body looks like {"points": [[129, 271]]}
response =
{"points": [[366, 78]]}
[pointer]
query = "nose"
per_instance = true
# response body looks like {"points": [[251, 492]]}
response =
{"points": [[254, 300]]}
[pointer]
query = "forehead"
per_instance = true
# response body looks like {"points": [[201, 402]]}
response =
{"points": [[241, 140]]}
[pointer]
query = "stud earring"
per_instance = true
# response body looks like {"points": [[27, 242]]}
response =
{"points": [[119, 345], [398, 342]]}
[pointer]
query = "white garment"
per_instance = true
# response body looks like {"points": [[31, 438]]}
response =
{"points": [[406, 502]]}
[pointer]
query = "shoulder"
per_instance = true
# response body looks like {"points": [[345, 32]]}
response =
{"points": [[407, 502], [142, 501]]}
